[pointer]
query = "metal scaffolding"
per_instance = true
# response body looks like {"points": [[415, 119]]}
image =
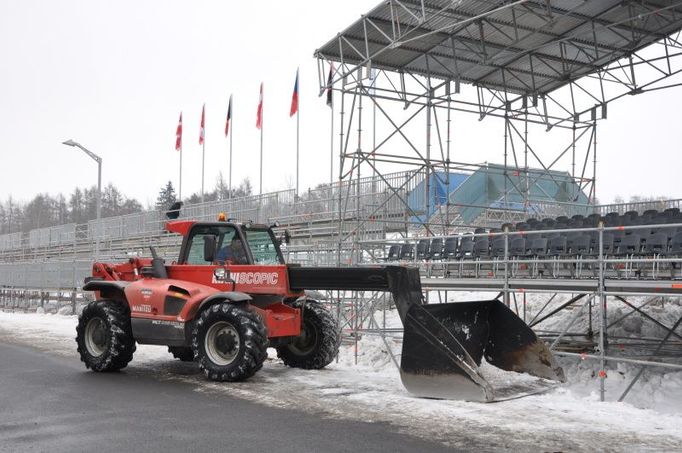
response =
{"points": [[534, 67]]}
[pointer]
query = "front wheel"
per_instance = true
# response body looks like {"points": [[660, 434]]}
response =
{"points": [[319, 341], [229, 342], [104, 336]]}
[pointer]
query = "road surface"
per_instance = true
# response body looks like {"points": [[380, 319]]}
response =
{"points": [[51, 403]]}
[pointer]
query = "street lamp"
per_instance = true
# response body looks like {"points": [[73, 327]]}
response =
{"points": [[97, 159]]}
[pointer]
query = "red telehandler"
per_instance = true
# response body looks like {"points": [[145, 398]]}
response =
{"points": [[230, 296]]}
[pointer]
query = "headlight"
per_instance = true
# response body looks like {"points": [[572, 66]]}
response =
{"points": [[220, 273]]}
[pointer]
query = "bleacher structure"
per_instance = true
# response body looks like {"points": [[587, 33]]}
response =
{"points": [[530, 224]]}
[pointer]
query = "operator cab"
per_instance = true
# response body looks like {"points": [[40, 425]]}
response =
{"points": [[229, 243]]}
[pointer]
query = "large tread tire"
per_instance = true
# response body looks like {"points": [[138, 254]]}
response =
{"points": [[242, 326], [319, 343], [108, 345], [184, 353]]}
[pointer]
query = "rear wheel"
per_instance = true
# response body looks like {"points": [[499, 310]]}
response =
{"points": [[229, 342], [183, 353], [104, 336], [319, 341]]}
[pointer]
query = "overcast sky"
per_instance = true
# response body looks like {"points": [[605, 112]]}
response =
{"points": [[114, 76]]}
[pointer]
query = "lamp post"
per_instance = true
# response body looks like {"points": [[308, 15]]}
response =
{"points": [[97, 159]]}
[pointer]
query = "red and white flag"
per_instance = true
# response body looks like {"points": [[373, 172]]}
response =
{"points": [[294, 98], [229, 117], [259, 112], [178, 135], [202, 130]]}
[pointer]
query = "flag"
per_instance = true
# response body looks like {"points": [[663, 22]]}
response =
{"points": [[202, 130], [178, 135], [373, 81], [259, 112], [330, 101], [294, 98], [229, 117]]}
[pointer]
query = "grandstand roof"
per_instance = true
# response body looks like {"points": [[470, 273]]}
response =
{"points": [[531, 47]]}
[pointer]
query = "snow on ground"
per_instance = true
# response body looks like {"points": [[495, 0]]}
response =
{"points": [[566, 418]]}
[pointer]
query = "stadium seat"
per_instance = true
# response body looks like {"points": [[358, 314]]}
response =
{"points": [[562, 219], [557, 246], [592, 219], [533, 223], [450, 248], [632, 215], [497, 247], [630, 245], [575, 223], [580, 245], [517, 247], [423, 249], [650, 213], [393, 253], [481, 248], [672, 212], [557, 249], [436, 249], [676, 245], [466, 247], [538, 250], [578, 217], [656, 244], [608, 244], [406, 251], [570, 237], [579, 248]]}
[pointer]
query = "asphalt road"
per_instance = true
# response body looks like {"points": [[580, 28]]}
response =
{"points": [[52, 404]]}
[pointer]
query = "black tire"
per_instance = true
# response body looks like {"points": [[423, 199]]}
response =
{"points": [[183, 353], [104, 336], [319, 342], [229, 342]]}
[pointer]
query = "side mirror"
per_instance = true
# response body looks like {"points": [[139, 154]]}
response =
{"points": [[209, 248]]}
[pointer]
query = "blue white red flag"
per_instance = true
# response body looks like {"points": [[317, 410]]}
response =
{"points": [[294, 98]]}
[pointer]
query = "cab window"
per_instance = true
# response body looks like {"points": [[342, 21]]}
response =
{"points": [[262, 247], [229, 245]]}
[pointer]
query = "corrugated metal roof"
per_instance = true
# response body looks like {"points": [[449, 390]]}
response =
{"points": [[529, 47]]}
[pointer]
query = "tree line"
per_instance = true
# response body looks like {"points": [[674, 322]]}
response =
{"points": [[46, 210], [167, 195]]}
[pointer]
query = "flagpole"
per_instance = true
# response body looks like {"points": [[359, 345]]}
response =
{"points": [[298, 114], [262, 124], [202, 142], [331, 148], [229, 180], [180, 185], [178, 147]]}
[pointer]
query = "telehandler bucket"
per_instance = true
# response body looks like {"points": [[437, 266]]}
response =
{"points": [[443, 344]]}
